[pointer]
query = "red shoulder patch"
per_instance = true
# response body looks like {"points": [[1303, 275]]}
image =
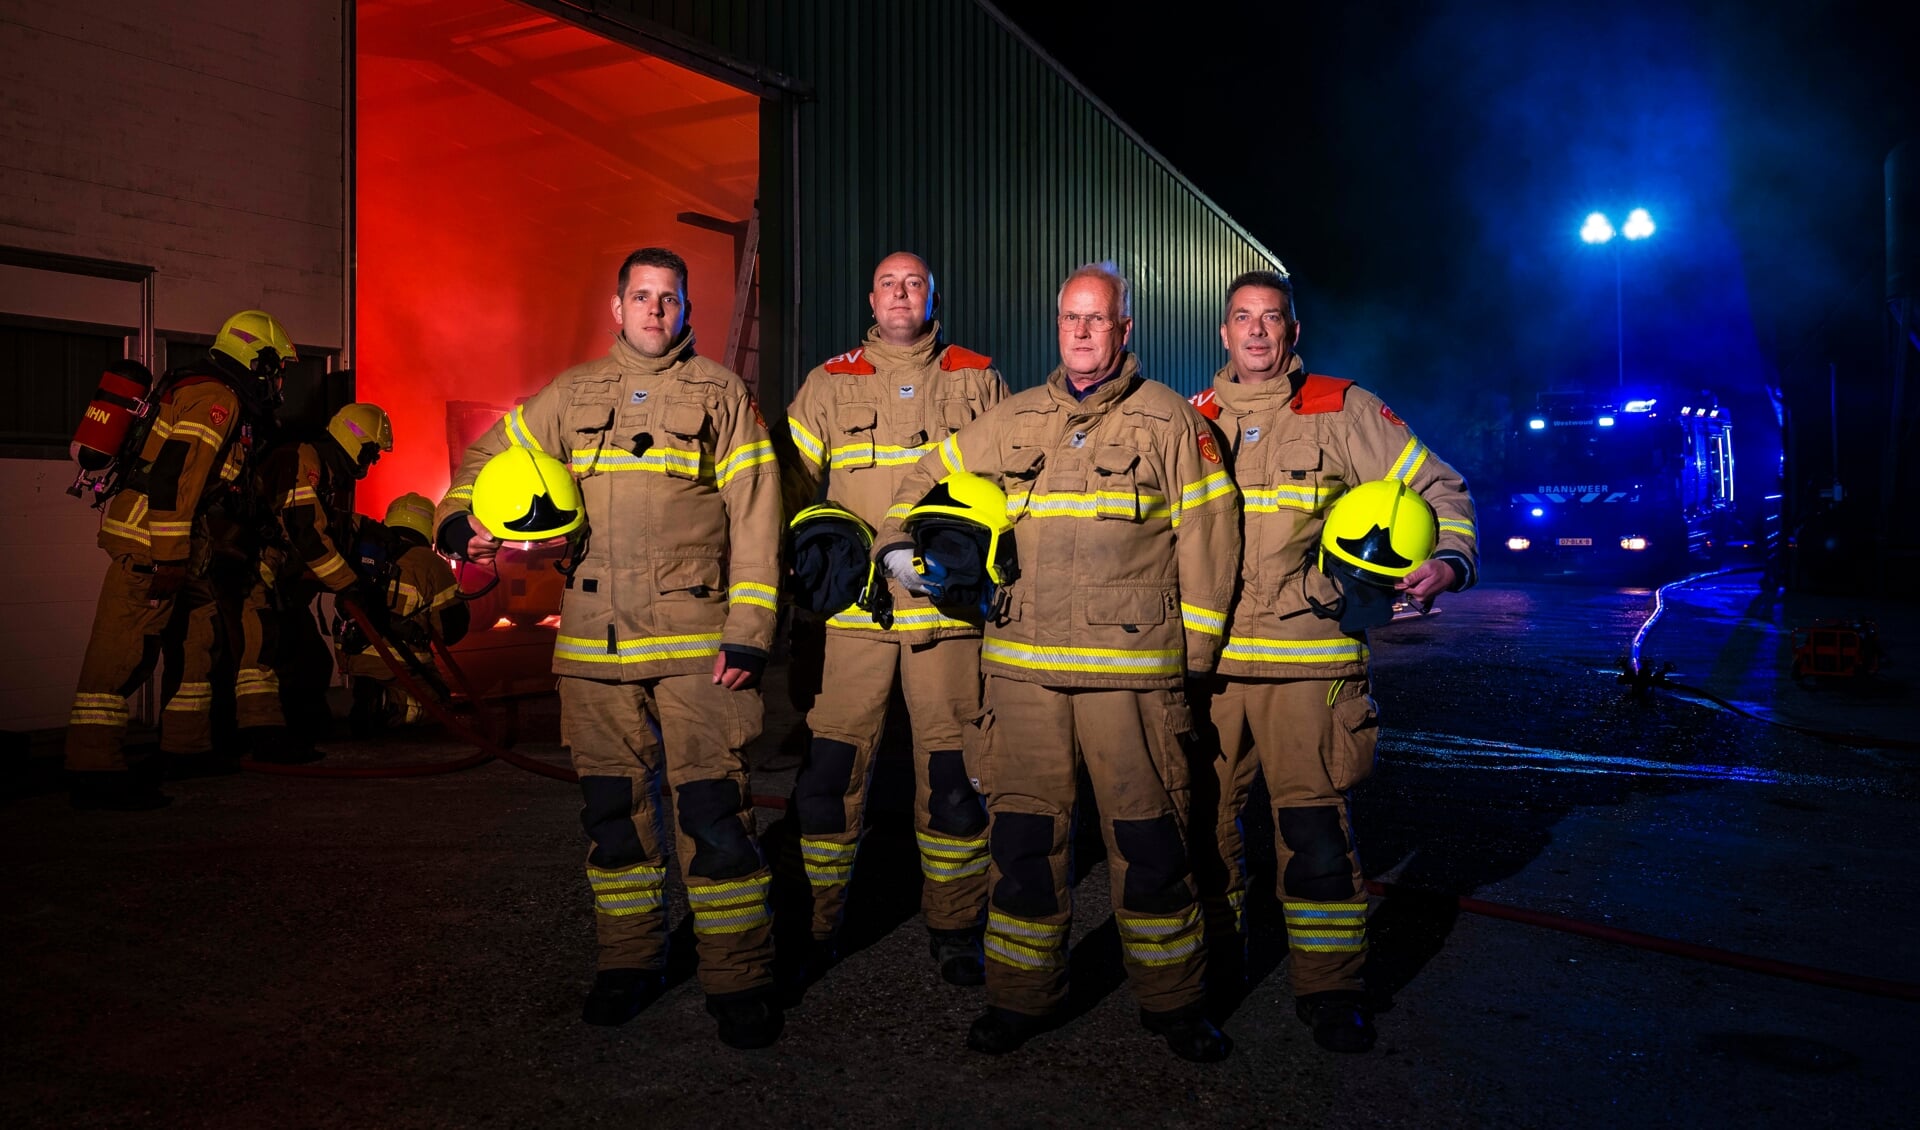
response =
{"points": [[853, 361], [753, 402], [954, 357], [1320, 393], [1206, 403], [217, 413], [313, 478], [1391, 418], [1209, 450]]}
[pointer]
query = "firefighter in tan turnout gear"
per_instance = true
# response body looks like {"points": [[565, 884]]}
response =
{"points": [[1127, 542], [1291, 695], [667, 621], [195, 456], [418, 605], [859, 424]]}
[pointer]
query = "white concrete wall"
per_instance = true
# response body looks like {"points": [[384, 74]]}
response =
{"points": [[201, 138]]}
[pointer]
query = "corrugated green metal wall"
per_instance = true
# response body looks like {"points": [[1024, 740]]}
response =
{"points": [[934, 128]]}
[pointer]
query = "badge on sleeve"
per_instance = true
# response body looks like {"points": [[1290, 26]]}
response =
{"points": [[1208, 450], [218, 413], [1391, 418]]}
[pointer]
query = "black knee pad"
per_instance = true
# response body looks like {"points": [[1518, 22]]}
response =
{"points": [[710, 814], [1156, 865], [1319, 869], [1021, 844], [820, 790], [607, 815], [953, 808]]}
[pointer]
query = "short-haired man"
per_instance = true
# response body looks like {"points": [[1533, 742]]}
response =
{"points": [[1291, 695], [666, 622], [1128, 542], [859, 424]]}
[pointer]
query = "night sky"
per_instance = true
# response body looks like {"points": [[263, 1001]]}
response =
{"points": [[1423, 169]]}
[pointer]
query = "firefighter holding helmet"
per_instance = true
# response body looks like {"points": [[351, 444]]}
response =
{"points": [[859, 423], [1345, 510], [194, 456], [666, 623]]}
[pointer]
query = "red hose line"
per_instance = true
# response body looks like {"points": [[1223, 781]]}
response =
{"points": [[1872, 986]]}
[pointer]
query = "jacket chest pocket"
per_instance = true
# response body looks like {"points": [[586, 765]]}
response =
{"points": [[1292, 476], [589, 420], [1022, 467], [955, 413], [854, 425], [1116, 484], [1131, 609], [684, 423]]}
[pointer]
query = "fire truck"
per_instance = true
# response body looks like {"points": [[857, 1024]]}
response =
{"points": [[1640, 486]]}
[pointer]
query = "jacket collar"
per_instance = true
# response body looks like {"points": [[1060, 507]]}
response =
{"points": [[1110, 391], [916, 354], [1237, 397], [631, 360]]}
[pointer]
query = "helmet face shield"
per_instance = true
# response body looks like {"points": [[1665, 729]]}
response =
{"points": [[963, 540]]}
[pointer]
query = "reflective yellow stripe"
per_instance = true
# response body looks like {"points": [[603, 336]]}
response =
{"points": [[1161, 940], [1024, 944], [299, 494], [1308, 497], [950, 454], [808, 443], [122, 529], [97, 718], [518, 433], [876, 455], [729, 908], [1216, 485], [1252, 650], [1411, 457], [1089, 504], [904, 620], [329, 566], [198, 431], [827, 862], [1457, 526], [643, 650], [1097, 660], [640, 889], [752, 592], [659, 460], [460, 494], [1327, 927], [898, 511], [943, 859], [755, 454], [1198, 619]]}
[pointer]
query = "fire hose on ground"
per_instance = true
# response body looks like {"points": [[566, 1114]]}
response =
{"points": [[489, 749]]}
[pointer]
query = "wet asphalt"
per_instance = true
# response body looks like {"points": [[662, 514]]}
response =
{"points": [[294, 952]]}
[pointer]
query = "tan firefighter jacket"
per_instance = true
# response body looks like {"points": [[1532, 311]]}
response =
{"points": [[860, 423], [191, 450], [312, 497], [423, 604], [1296, 443], [683, 511], [1126, 527]]}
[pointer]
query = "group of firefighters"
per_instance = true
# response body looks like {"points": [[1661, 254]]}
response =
{"points": [[1094, 576]]}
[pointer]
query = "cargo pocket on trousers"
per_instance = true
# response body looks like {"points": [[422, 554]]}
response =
{"points": [[976, 750], [1356, 731], [1171, 742]]}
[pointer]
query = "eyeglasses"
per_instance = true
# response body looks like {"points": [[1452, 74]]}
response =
{"points": [[1095, 323]]}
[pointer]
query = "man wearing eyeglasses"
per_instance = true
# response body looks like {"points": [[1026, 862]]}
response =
{"points": [[1128, 543]]}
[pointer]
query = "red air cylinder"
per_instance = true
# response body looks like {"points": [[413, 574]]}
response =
{"points": [[120, 399]]}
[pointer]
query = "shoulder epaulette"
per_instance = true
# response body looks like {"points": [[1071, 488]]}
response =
{"points": [[852, 361], [1207, 403], [1320, 393], [957, 357]]}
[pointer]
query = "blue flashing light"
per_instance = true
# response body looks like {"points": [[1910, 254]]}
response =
{"points": [[1537, 424], [1639, 225], [1605, 421], [1641, 405], [1537, 512], [1597, 229]]}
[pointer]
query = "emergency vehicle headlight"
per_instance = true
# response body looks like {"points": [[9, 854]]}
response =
{"points": [[1537, 424], [1518, 544], [1635, 544], [1640, 405], [1537, 512], [1605, 421]]}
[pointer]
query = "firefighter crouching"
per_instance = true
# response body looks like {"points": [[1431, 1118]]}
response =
{"points": [[667, 620], [859, 423], [1291, 696], [1127, 544], [195, 452], [306, 484], [418, 604]]}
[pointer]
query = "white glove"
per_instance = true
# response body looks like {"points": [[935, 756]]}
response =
{"points": [[899, 564]]}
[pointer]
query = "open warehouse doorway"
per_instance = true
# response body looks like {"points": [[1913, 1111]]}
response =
{"points": [[505, 162]]}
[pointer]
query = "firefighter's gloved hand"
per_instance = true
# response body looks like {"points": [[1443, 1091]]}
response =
{"points": [[738, 669], [167, 580], [899, 565], [933, 582]]}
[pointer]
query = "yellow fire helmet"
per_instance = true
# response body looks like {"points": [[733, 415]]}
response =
{"points": [[523, 495], [833, 567], [363, 432], [964, 507], [256, 340], [1380, 531], [411, 512]]}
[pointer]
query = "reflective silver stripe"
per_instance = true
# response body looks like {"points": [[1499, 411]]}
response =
{"points": [[1092, 659], [1411, 457], [1251, 650]]}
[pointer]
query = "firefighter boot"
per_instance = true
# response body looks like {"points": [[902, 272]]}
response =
{"points": [[957, 953], [1189, 1034], [618, 995], [998, 1031], [747, 1020], [280, 745], [114, 790], [1341, 1020]]}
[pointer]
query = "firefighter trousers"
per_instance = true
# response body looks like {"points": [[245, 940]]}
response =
{"points": [[121, 654], [624, 769], [1026, 749], [1312, 739], [253, 620], [940, 681]]}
